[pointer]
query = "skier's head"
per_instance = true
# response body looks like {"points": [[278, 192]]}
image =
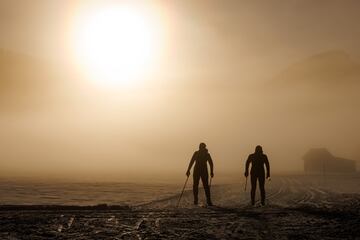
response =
{"points": [[258, 149], [202, 146]]}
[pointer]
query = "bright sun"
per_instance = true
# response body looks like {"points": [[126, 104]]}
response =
{"points": [[116, 45]]}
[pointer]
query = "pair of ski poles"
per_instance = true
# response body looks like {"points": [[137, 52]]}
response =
{"points": [[246, 178], [182, 192]]}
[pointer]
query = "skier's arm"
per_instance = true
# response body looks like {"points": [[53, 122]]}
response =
{"points": [[248, 161], [211, 166], [267, 167], [191, 164]]}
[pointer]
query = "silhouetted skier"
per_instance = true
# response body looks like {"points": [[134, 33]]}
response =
{"points": [[200, 158], [257, 160]]}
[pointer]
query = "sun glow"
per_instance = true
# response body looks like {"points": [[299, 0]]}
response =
{"points": [[116, 45]]}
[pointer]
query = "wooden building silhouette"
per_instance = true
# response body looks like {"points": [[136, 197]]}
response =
{"points": [[320, 160]]}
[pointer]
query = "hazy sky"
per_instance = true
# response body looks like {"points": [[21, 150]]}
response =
{"points": [[234, 35], [216, 64]]}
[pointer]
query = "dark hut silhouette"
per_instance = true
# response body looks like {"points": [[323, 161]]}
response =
{"points": [[320, 160]]}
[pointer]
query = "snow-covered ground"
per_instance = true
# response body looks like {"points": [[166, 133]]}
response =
{"points": [[298, 207]]}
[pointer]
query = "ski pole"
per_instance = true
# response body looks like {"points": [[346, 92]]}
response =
{"points": [[245, 184], [182, 192]]}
